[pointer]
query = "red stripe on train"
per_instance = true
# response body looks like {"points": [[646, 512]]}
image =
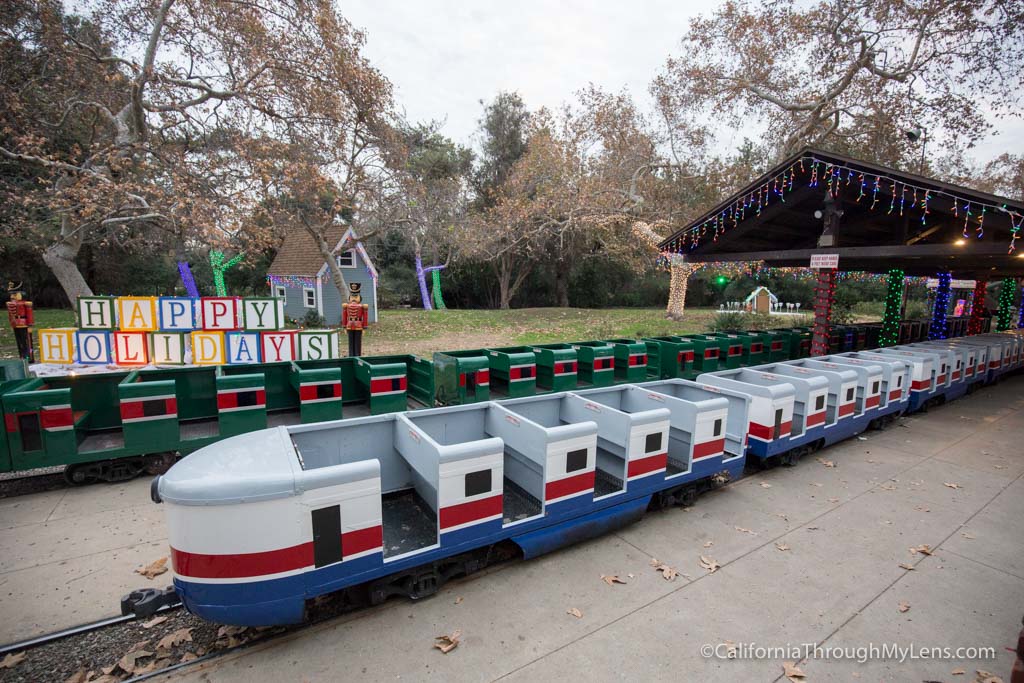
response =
{"points": [[920, 384], [387, 384], [566, 487], [244, 565], [895, 395], [766, 433], [872, 401], [463, 513], [846, 409], [708, 448], [815, 419], [647, 465], [61, 417]]}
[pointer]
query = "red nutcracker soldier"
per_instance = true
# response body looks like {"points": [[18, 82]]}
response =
{"points": [[21, 317], [354, 317]]}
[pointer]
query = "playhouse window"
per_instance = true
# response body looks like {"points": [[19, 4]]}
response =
{"points": [[309, 297], [575, 460], [653, 443], [279, 292], [347, 259], [819, 403], [899, 381], [478, 482], [849, 394], [874, 388], [718, 427]]}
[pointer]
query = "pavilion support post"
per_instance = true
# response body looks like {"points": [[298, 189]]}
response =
{"points": [[937, 329], [1020, 314], [977, 319], [1007, 297], [824, 297], [894, 304]]}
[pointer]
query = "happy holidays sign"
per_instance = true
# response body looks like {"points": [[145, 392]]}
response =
{"points": [[174, 330]]}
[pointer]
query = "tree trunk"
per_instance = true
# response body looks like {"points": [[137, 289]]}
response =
{"points": [[337, 276], [562, 286], [60, 258], [503, 284]]}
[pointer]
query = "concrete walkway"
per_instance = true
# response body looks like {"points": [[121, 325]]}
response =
{"points": [[67, 556], [951, 479]]}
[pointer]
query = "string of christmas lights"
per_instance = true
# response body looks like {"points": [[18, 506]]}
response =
{"points": [[837, 175], [757, 270], [1020, 313], [291, 281], [890, 334], [1007, 293], [976, 322], [937, 329]]}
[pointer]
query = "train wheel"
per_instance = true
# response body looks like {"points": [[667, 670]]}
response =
{"points": [[77, 475], [159, 463]]}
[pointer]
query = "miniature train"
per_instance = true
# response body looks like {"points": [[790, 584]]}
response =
{"points": [[114, 425], [399, 503]]}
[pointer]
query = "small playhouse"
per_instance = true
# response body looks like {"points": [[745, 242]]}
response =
{"points": [[761, 300], [300, 277]]}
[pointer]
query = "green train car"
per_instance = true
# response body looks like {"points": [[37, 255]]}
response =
{"points": [[115, 425]]}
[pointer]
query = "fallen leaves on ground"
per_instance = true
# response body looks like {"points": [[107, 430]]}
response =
{"points": [[188, 657], [924, 549], [668, 573], [908, 567], [791, 671], [957, 672], [887, 486], [128, 662], [12, 660], [782, 546], [904, 607], [730, 648], [765, 485], [611, 579], [153, 569], [708, 544], [80, 676], [154, 622], [833, 500], [967, 535], [986, 677], [709, 564], [447, 643], [182, 635], [745, 531], [922, 508], [952, 485], [826, 463], [575, 612], [459, 600]]}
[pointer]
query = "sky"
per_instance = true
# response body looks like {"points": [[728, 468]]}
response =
{"points": [[444, 56]]}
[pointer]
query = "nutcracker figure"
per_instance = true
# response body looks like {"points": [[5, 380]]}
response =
{"points": [[354, 317], [21, 317]]}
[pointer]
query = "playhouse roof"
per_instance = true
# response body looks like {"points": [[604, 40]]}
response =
{"points": [[771, 297], [299, 254]]}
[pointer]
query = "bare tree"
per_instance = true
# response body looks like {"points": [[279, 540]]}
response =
{"points": [[196, 99]]}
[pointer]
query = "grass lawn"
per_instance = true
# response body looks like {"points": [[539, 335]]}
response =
{"points": [[423, 332]]}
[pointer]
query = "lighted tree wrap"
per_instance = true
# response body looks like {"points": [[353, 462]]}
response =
{"points": [[977, 319], [890, 333], [824, 297], [220, 266], [435, 276], [679, 270], [938, 327], [185, 271], [1007, 294]]}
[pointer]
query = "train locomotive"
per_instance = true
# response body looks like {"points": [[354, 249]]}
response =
{"points": [[262, 523]]}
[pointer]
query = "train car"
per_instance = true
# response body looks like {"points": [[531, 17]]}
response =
{"points": [[407, 500]]}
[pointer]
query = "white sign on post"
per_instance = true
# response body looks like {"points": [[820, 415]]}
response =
{"points": [[820, 261]]}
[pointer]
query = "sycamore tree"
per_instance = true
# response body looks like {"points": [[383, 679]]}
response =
{"points": [[179, 118], [853, 75]]}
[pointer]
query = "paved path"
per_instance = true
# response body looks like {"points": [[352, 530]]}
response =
{"points": [[69, 555], [848, 528]]}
